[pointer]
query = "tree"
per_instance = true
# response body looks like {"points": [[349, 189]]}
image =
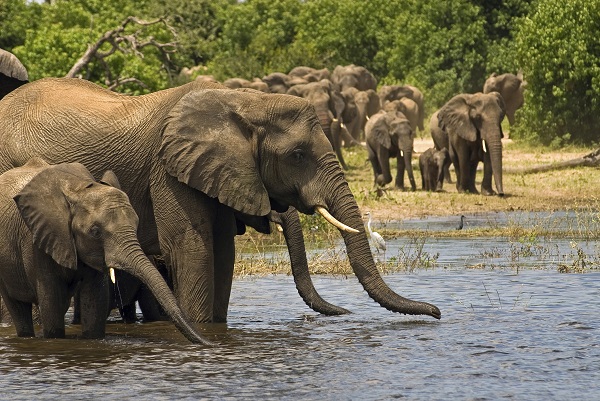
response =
{"points": [[561, 63]]}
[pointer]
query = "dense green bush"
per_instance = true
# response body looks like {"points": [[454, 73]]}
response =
{"points": [[558, 47], [444, 48]]}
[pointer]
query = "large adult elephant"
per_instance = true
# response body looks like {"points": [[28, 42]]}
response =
{"points": [[389, 134], [388, 93], [353, 76], [408, 107], [473, 124], [190, 158], [12, 73], [329, 106], [511, 87], [309, 74], [367, 104], [61, 230]]}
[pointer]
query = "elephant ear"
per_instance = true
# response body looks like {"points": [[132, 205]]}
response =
{"points": [[380, 131], [110, 178], [207, 143], [45, 209], [455, 116]]}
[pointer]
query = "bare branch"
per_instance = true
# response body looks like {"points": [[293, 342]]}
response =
{"points": [[124, 43], [590, 160]]}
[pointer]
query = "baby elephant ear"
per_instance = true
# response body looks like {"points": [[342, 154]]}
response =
{"points": [[110, 178], [208, 143], [47, 213], [455, 117]]}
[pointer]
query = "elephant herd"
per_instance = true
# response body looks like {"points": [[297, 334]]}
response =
{"points": [[95, 184], [352, 109]]}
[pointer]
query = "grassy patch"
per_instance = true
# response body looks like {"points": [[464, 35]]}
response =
{"points": [[574, 189]]}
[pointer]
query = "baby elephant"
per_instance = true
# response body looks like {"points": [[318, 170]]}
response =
{"points": [[61, 229], [432, 164]]}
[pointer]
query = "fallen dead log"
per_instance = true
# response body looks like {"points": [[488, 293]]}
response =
{"points": [[589, 160]]}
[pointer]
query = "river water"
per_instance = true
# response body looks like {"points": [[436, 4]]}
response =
{"points": [[505, 333]]}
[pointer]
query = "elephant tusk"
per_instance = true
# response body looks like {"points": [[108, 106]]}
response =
{"points": [[401, 153], [111, 271], [484, 147], [368, 118], [343, 125], [323, 212], [279, 228]]}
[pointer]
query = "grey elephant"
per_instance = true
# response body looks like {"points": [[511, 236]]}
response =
{"points": [[278, 82], [61, 230], [388, 93], [190, 158], [329, 106], [310, 74], [406, 106], [473, 125], [389, 134], [440, 141], [12, 73], [432, 164], [511, 88], [256, 83], [367, 104], [354, 76]]}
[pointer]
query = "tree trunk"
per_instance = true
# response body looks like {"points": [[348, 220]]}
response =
{"points": [[590, 160]]}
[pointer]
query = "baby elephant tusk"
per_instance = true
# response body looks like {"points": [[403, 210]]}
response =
{"points": [[323, 212]]}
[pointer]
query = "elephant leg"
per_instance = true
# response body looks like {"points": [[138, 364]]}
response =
{"points": [[94, 304], [400, 167], [336, 142], [20, 312], [383, 155], [486, 183], [374, 163], [473, 162], [224, 254], [54, 301]]}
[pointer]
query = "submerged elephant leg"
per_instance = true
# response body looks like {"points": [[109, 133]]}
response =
{"points": [[224, 255], [20, 313], [93, 304]]}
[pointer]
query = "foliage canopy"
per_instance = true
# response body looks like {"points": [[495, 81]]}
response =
{"points": [[444, 48]]}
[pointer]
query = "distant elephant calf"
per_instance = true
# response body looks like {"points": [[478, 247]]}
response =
{"points": [[432, 164], [60, 229]]}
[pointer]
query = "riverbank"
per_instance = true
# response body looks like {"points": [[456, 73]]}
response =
{"points": [[575, 189]]}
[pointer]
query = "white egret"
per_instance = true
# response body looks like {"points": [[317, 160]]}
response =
{"points": [[377, 239]]}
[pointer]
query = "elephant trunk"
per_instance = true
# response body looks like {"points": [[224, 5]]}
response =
{"points": [[343, 206], [132, 260], [407, 155], [292, 231], [495, 150]]}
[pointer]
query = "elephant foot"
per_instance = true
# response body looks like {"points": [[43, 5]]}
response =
{"points": [[487, 192]]}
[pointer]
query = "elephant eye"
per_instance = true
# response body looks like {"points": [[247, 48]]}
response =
{"points": [[95, 231], [298, 155]]}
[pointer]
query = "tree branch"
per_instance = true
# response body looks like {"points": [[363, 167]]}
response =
{"points": [[124, 43], [590, 160]]}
